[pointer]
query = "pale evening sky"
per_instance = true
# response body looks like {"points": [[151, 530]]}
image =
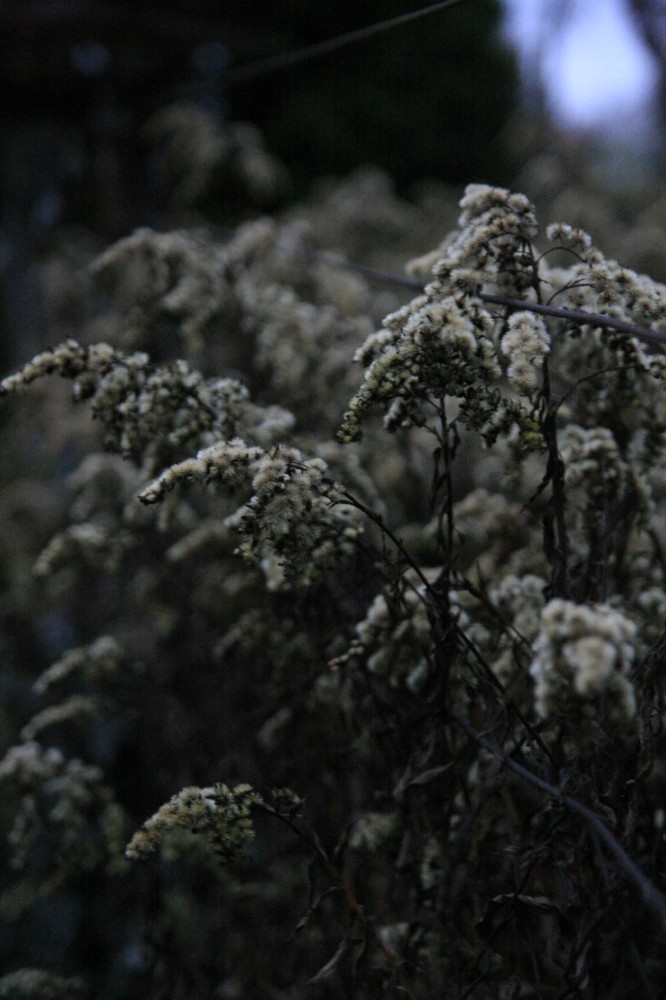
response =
{"points": [[596, 68]]}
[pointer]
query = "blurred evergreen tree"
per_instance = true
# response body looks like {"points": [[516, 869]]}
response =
{"points": [[426, 99]]}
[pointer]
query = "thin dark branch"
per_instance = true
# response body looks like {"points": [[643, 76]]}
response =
{"points": [[558, 312], [286, 60], [374, 273], [611, 369], [556, 536], [579, 316], [430, 591], [386, 531], [651, 895]]}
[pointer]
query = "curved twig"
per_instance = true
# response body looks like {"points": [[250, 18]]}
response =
{"points": [[558, 312], [651, 895]]}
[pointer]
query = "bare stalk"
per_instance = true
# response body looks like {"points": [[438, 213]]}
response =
{"points": [[651, 895], [579, 316]]}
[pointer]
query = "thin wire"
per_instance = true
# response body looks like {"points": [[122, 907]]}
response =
{"points": [[283, 61]]}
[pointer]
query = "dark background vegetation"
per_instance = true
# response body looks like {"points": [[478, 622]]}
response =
{"points": [[79, 81], [425, 100]]}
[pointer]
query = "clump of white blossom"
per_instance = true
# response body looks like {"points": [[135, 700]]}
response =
{"points": [[98, 663], [256, 302], [65, 805], [102, 515], [445, 343], [301, 344], [101, 666], [151, 413], [517, 603], [394, 640], [525, 344], [492, 243], [75, 707], [295, 524], [195, 145], [427, 350], [88, 544], [37, 984], [373, 830], [584, 654], [219, 813], [175, 276], [592, 459]]}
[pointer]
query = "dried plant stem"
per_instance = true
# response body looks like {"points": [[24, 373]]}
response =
{"points": [[580, 316], [557, 312], [651, 895]]}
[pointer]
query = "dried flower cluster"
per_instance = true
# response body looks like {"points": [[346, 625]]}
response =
{"points": [[34, 984], [67, 822], [153, 412], [525, 344], [220, 814], [585, 652], [291, 524], [448, 639], [260, 302], [196, 146]]}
